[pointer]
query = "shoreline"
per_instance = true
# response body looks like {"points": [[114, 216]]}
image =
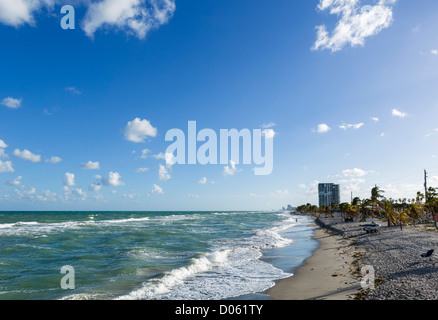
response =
{"points": [[326, 275]]}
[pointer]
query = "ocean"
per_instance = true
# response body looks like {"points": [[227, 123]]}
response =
{"points": [[149, 255]]}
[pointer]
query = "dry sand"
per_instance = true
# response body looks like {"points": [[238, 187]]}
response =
{"points": [[326, 275]]}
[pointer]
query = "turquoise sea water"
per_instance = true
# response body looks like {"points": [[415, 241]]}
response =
{"points": [[149, 255]]}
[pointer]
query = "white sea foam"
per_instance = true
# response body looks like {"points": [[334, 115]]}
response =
{"points": [[233, 269], [123, 220], [159, 287], [31, 227]]}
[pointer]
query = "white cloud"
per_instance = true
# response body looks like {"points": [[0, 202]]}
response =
{"points": [[129, 196], [53, 160], [26, 155], [74, 193], [19, 12], [268, 133], [354, 172], [168, 157], [138, 130], [323, 128], [69, 179], [90, 165], [351, 126], [282, 192], [203, 180], [142, 170], [312, 189], [350, 185], [375, 119], [268, 125], [157, 189], [73, 90], [14, 182], [434, 52], [96, 187], [163, 174], [11, 102], [3, 145], [397, 113], [230, 170], [113, 180], [133, 16], [6, 166], [355, 24], [144, 153]]}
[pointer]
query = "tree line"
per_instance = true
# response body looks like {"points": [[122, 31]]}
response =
{"points": [[402, 211]]}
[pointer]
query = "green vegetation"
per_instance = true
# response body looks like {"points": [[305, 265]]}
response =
{"points": [[420, 209]]}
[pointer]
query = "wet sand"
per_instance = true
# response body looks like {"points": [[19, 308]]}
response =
{"points": [[326, 275]]}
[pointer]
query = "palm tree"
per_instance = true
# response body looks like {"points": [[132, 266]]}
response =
{"points": [[403, 217], [376, 195], [389, 212], [355, 201], [420, 197], [364, 207], [344, 207]]}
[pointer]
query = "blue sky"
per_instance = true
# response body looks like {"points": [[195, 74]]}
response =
{"points": [[348, 86]]}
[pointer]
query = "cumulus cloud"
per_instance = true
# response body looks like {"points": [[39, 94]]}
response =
{"points": [[138, 130], [6, 166], [356, 23], [397, 113], [268, 133], [113, 180], [136, 17], [356, 172], [3, 145], [19, 12], [68, 179], [157, 190], [230, 170], [323, 128], [142, 170], [144, 153], [96, 187], [203, 180], [26, 155], [351, 126], [163, 174], [90, 165], [14, 182], [168, 157], [9, 102], [74, 194], [53, 160]]}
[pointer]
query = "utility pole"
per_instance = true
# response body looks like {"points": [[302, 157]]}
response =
{"points": [[425, 186]]}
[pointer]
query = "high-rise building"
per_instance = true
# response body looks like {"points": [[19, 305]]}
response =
{"points": [[328, 193]]}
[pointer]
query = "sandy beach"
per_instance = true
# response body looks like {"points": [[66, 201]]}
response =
{"points": [[326, 275], [333, 271]]}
